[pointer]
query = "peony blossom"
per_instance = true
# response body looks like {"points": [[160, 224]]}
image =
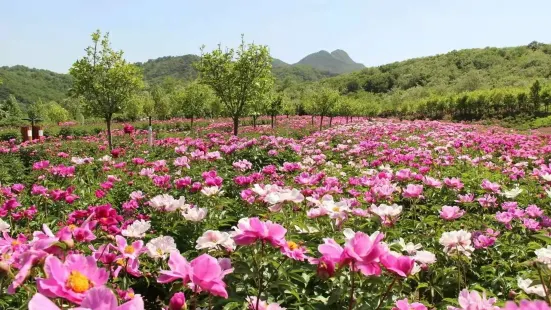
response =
{"points": [[404, 304], [4, 227], [524, 284], [249, 230], [451, 213], [161, 246], [213, 239], [195, 214], [71, 279], [137, 229], [97, 298], [473, 301], [457, 242]]}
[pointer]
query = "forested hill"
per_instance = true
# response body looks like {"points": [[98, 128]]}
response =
{"points": [[454, 72], [413, 79]]}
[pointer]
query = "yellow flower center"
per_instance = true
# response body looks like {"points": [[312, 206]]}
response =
{"points": [[15, 243], [159, 251], [336, 209], [78, 282], [129, 249], [120, 261], [131, 295], [292, 245], [72, 227]]}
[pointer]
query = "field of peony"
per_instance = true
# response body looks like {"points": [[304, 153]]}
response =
{"points": [[368, 214]]}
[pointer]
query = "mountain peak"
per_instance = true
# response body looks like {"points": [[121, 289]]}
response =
{"points": [[337, 61]]}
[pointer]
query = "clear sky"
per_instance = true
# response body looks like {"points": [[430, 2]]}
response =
{"points": [[52, 34]]}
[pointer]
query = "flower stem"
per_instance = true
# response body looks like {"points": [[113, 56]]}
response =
{"points": [[383, 298], [260, 276], [351, 298], [544, 286]]}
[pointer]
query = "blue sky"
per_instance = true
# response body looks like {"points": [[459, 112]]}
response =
{"points": [[53, 34]]}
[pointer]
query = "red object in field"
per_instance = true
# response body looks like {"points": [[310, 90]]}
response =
{"points": [[26, 133], [38, 132]]}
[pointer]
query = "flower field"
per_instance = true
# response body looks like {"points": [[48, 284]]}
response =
{"points": [[366, 214]]}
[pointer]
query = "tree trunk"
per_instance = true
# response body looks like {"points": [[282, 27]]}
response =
{"points": [[321, 121], [150, 134], [254, 121], [330, 121], [287, 115], [191, 125], [347, 119], [109, 139], [312, 120], [272, 122], [235, 125]]}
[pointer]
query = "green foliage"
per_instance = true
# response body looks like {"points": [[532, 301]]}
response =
{"points": [[105, 80], [238, 77], [30, 85], [55, 112]]}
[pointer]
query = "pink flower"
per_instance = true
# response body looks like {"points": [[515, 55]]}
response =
{"points": [[451, 213], [432, 182], [465, 198], [177, 301], [413, 191], [527, 305], [364, 251], [97, 298], [204, 272], [400, 265], [453, 183], [473, 301], [72, 278], [256, 304], [489, 186], [249, 230], [403, 304], [293, 251]]}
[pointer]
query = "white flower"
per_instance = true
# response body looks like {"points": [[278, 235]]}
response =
{"points": [[544, 255], [513, 193], [166, 202], [213, 239], [424, 257], [546, 177], [384, 211], [457, 241], [148, 172], [137, 229], [161, 247], [548, 192], [409, 247], [525, 286], [195, 214], [136, 195], [4, 227], [211, 191], [105, 158]]}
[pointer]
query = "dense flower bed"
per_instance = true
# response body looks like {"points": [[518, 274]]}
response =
{"points": [[365, 215]]}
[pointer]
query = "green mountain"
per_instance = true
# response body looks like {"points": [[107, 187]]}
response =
{"points": [[336, 62], [29, 85]]}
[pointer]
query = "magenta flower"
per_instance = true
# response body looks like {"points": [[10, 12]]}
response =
{"points": [[453, 183], [72, 278], [400, 265], [404, 304], [451, 213], [97, 298], [177, 301], [490, 187], [364, 252], [249, 230]]}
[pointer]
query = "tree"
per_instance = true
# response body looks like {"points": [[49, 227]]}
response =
{"points": [[161, 100], [325, 99], [12, 108], [105, 80], [276, 101], [193, 100], [535, 96], [237, 77], [36, 110], [56, 113]]}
